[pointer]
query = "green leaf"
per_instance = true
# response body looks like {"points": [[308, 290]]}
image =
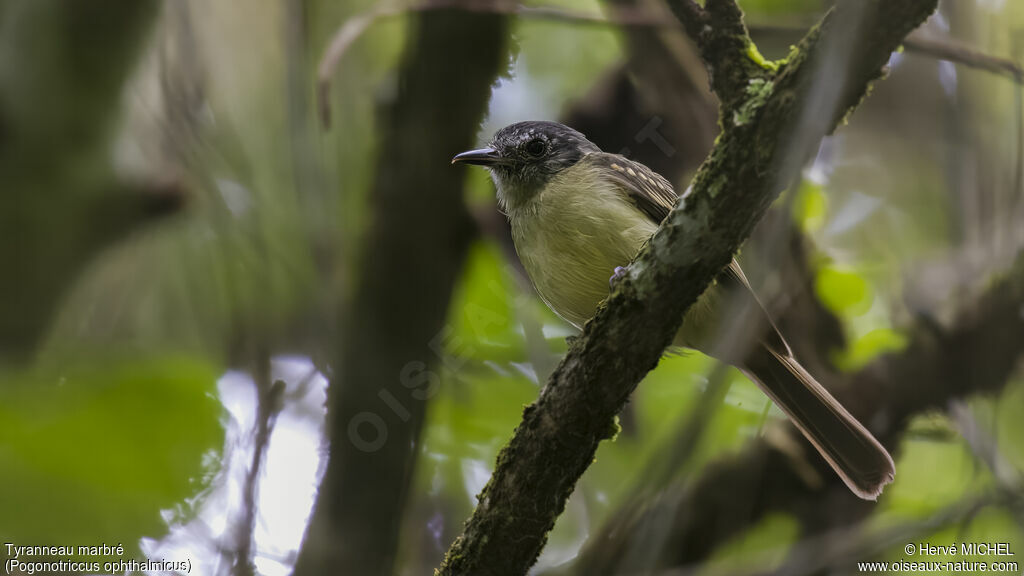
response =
{"points": [[843, 291], [867, 347], [810, 207], [94, 454], [762, 547], [919, 490], [480, 313]]}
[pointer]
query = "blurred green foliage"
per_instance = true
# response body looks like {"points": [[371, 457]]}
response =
{"points": [[763, 547], [775, 8], [95, 452], [843, 291], [810, 206]]}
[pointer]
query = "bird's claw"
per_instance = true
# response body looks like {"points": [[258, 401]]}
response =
{"points": [[620, 271]]}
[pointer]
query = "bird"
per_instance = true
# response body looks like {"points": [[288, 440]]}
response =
{"points": [[578, 215]]}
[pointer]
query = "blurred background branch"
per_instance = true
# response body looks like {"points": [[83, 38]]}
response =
{"points": [[772, 474], [394, 325], [641, 20], [63, 66]]}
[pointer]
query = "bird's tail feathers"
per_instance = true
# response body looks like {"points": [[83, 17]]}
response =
{"points": [[859, 459]]}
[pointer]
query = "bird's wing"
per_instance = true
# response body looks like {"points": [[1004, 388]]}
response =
{"points": [[653, 195], [649, 191]]}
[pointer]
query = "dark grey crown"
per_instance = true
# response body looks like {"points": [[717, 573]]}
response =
{"points": [[562, 146], [532, 152]]}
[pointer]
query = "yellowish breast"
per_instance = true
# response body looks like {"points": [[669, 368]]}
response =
{"points": [[572, 235]]}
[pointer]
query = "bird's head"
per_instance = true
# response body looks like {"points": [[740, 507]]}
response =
{"points": [[524, 156]]}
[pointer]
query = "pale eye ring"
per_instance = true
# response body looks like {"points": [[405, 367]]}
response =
{"points": [[536, 147]]}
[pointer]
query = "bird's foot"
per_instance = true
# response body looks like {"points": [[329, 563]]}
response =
{"points": [[620, 271]]}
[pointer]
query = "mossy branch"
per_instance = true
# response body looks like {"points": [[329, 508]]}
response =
{"points": [[772, 118]]}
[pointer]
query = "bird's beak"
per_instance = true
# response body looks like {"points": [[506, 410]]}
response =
{"points": [[481, 157]]}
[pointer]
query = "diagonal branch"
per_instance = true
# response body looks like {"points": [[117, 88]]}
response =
{"points": [[559, 434]]}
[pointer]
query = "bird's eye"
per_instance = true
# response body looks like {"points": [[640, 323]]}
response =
{"points": [[536, 147]]}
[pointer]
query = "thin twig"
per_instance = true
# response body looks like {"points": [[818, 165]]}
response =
{"points": [[842, 548], [625, 17], [1018, 171], [268, 405], [954, 51], [354, 27], [985, 447], [348, 33]]}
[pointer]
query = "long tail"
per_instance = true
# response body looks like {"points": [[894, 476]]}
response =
{"points": [[849, 448]]}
